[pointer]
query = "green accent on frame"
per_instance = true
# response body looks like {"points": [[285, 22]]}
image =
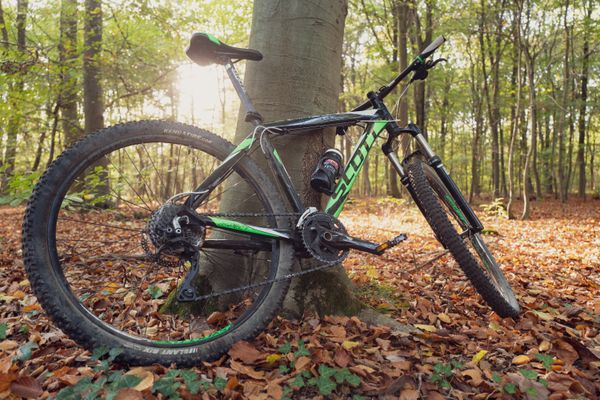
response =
{"points": [[353, 168], [213, 39], [456, 209], [420, 59], [246, 143], [277, 156], [238, 226], [197, 340]]}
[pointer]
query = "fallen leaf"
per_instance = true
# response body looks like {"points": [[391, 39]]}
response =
{"points": [[477, 357], [428, 328], [301, 363], [239, 367], [474, 374], [271, 358], [128, 394], [544, 346], [520, 360], [246, 353], [444, 318], [347, 344], [146, 378], [409, 394], [215, 318], [341, 358], [27, 387]]}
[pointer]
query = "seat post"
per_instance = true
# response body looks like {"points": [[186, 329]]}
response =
{"points": [[252, 115]]}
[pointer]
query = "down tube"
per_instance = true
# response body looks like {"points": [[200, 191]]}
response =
{"points": [[360, 154]]}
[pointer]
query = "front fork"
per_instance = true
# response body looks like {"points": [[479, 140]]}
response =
{"points": [[435, 162]]}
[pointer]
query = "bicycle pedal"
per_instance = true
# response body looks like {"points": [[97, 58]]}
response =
{"points": [[391, 243]]}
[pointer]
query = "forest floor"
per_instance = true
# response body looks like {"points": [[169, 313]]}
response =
{"points": [[462, 349]]}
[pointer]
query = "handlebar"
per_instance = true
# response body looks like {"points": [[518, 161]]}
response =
{"points": [[418, 61]]}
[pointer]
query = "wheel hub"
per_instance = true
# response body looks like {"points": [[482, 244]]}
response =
{"points": [[171, 234]]}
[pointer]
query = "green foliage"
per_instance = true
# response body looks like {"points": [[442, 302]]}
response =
{"points": [[330, 378], [546, 360], [496, 207], [443, 373], [3, 329], [25, 351], [285, 348], [154, 291], [19, 188]]}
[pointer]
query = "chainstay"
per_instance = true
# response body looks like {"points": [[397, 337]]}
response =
{"points": [[268, 282], [240, 215]]}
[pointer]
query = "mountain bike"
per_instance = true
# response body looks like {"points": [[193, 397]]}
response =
{"points": [[169, 242]]}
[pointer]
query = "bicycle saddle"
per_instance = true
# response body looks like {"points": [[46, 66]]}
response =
{"points": [[205, 49]]}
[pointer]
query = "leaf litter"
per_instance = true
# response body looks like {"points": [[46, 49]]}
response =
{"points": [[463, 351]]}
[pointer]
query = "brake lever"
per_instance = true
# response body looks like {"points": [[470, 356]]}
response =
{"points": [[430, 64]]}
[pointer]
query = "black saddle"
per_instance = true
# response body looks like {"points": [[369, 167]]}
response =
{"points": [[205, 49]]}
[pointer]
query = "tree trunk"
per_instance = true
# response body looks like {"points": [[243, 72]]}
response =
{"points": [[515, 112], [68, 59], [15, 96], [562, 178], [93, 101], [420, 42], [583, 103], [527, 189]]}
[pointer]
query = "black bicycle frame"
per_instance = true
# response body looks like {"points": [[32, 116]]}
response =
{"points": [[376, 120]]}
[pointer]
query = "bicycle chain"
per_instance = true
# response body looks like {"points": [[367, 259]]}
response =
{"points": [[286, 277]]}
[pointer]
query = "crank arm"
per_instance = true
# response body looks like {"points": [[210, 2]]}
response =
{"points": [[340, 241]]}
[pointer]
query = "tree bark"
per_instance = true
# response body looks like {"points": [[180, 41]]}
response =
{"points": [[93, 100], [68, 58], [583, 102], [15, 95], [562, 178], [515, 111], [420, 42]]}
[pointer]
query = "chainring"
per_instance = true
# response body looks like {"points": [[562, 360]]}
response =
{"points": [[311, 230]]}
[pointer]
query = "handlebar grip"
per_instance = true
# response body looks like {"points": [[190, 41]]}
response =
{"points": [[432, 47]]}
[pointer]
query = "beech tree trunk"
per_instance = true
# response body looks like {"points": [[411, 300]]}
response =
{"points": [[15, 95], [93, 100], [299, 76], [67, 48], [583, 104]]}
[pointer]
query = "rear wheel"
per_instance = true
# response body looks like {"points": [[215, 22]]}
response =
{"points": [[469, 250], [92, 234]]}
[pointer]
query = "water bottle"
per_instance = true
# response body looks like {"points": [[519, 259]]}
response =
{"points": [[328, 170]]}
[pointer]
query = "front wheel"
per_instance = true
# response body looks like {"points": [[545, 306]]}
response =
{"points": [[469, 250]]}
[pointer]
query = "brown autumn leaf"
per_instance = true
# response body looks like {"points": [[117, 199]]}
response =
{"points": [[241, 368], [246, 352], [301, 363], [409, 394], [146, 378], [128, 394], [26, 387], [474, 375], [341, 357]]}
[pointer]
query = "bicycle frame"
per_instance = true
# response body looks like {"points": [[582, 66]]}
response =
{"points": [[376, 119]]}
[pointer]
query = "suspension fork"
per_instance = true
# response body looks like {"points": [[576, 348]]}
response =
{"points": [[436, 163], [432, 159]]}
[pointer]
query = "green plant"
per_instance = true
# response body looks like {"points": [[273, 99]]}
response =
{"points": [[443, 373], [496, 207], [19, 188]]}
